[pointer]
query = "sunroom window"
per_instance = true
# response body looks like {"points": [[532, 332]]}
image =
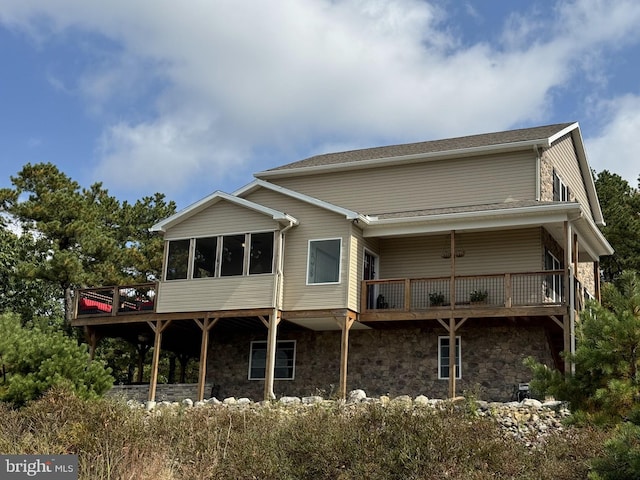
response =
{"points": [[204, 257], [324, 261], [220, 256], [232, 255], [261, 255], [178, 259]]}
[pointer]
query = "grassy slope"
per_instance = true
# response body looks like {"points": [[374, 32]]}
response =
{"points": [[114, 441]]}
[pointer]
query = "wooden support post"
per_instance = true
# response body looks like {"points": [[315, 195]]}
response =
{"points": [[452, 357], [158, 328], [566, 323], [272, 343], [596, 278], [452, 284], [508, 293], [92, 340], [345, 325], [206, 327]]}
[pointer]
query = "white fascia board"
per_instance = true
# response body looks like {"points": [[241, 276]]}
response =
{"points": [[348, 214], [587, 176], [593, 239], [213, 199], [481, 220], [185, 213], [460, 152], [563, 132]]}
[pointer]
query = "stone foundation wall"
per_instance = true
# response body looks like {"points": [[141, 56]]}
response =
{"points": [[401, 361], [172, 392]]}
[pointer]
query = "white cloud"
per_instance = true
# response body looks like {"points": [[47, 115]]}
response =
{"points": [[617, 146], [237, 75]]}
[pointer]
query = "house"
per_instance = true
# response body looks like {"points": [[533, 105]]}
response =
{"points": [[425, 268]]}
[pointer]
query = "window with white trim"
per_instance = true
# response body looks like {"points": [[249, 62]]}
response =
{"points": [[324, 261], [285, 360], [178, 260], [443, 358], [220, 256], [560, 190], [553, 282]]}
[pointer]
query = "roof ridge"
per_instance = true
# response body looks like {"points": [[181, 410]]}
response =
{"points": [[429, 146]]}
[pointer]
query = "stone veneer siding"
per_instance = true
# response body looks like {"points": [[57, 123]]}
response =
{"points": [[402, 361], [164, 391]]}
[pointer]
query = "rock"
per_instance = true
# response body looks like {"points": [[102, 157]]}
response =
{"points": [[356, 396], [213, 401], [552, 404], [421, 400], [243, 401], [312, 400], [290, 400], [229, 401], [187, 402], [532, 402], [200, 403], [402, 399]]}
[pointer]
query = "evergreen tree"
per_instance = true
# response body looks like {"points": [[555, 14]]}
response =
{"points": [[621, 210], [607, 358], [30, 298], [38, 357], [85, 236]]}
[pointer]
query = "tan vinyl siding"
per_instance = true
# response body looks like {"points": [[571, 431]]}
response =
{"points": [[484, 253], [227, 293], [221, 218], [315, 224], [562, 157], [433, 184]]}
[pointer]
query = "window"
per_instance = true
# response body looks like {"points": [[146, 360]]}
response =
{"points": [[204, 257], [553, 290], [232, 255], [178, 259], [220, 256], [324, 261], [261, 255], [443, 358], [560, 190], [285, 360]]}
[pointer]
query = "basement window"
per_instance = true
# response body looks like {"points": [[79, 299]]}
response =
{"points": [[443, 358], [285, 360]]}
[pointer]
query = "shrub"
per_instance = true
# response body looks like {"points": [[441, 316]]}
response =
{"points": [[37, 359]]}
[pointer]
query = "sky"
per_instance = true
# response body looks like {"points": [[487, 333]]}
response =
{"points": [[186, 98]]}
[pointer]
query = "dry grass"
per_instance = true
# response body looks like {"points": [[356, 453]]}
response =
{"points": [[114, 441]]}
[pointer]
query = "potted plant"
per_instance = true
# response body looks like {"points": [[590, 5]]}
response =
{"points": [[478, 297], [436, 299]]}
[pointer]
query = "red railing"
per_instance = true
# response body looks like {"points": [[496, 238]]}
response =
{"points": [[127, 299], [499, 290]]}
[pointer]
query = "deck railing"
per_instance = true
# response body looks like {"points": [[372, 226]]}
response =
{"points": [[127, 299], [499, 290]]}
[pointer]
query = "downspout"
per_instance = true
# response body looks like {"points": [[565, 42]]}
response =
{"points": [[275, 317]]}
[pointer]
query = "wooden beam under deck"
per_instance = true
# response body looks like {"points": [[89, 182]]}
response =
{"points": [[89, 320], [475, 312]]}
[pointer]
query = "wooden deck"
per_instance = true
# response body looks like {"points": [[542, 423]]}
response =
{"points": [[498, 295]]}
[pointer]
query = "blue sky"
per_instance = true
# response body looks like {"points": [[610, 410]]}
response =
{"points": [[186, 98]]}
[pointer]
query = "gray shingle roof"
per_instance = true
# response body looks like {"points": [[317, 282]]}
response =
{"points": [[434, 146], [493, 207]]}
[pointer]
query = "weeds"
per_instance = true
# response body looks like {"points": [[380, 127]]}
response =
{"points": [[115, 441]]}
